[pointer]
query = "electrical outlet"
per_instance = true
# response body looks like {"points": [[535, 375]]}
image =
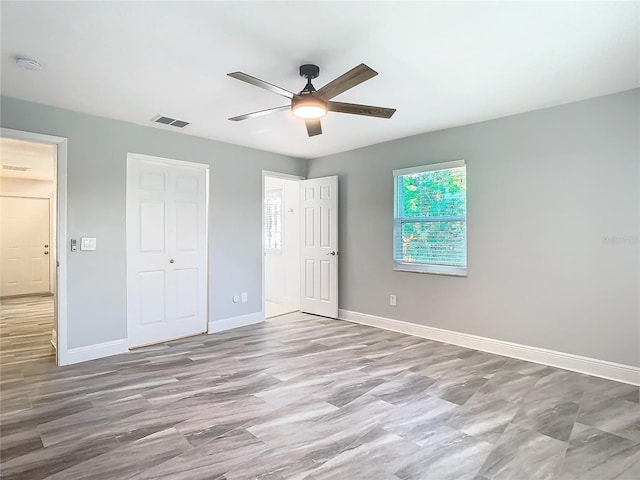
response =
{"points": [[236, 298], [392, 300], [244, 297]]}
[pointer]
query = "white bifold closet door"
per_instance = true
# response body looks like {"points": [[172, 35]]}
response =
{"points": [[166, 249]]}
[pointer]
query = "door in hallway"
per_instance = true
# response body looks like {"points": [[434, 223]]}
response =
{"points": [[24, 245]]}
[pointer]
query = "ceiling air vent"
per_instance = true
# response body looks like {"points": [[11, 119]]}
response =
{"points": [[179, 123], [15, 167], [171, 121]]}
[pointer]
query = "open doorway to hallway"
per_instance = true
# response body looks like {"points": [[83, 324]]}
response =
{"points": [[281, 245], [27, 255]]}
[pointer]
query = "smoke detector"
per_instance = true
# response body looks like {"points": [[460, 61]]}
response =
{"points": [[28, 63]]}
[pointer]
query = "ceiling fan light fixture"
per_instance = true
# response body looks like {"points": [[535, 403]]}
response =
{"points": [[308, 107]]}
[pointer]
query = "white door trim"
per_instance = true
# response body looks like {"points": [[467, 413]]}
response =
{"points": [[169, 161], [60, 226], [286, 176], [201, 166]]}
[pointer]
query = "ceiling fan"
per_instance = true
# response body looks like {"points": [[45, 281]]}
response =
{"points": [[311, 104]]}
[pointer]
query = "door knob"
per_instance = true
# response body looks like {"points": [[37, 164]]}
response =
{"points": [[46, 253], [46, 246], [333, 254], [172, 261]]}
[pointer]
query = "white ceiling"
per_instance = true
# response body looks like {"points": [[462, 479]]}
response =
{"points": [[441, 64], [34, 161]]}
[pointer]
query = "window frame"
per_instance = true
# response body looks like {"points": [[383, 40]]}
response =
{"points": [[432, 268]]}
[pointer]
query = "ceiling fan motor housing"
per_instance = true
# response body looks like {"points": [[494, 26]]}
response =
{"points": [[309, 71], [305, 105]]}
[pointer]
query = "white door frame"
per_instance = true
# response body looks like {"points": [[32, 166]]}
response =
{"points": [[60, 226], [286, 176], [202, 166]]}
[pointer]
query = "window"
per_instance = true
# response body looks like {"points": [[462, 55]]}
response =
{"points": [[430, 220], [273, 220]]}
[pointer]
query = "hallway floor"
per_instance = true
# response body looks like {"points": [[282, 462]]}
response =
{"points": [[25, 330]]}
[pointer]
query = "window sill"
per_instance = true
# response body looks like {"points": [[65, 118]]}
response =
{"points": [[432, 269]]}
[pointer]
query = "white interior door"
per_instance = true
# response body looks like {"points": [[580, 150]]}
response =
{"points": [[319, 246], [166, 250], [24, 245]]}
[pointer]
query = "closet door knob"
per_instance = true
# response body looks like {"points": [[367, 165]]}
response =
{"points": [[172, 261]]}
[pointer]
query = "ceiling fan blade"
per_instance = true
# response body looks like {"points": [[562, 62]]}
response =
{"points": [[356, 109], [313, 127], [344, 82], [261, 83], [260, 113]]}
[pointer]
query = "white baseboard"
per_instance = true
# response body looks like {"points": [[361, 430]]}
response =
{"points": [[91, 352], [235, 322], [567, 361]]}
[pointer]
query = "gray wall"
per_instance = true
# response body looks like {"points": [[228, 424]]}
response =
{"points": [[97, 152], [553, 221]]}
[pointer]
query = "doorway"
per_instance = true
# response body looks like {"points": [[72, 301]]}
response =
{"points": [[28, 198], [281, 235], [302, 215]]}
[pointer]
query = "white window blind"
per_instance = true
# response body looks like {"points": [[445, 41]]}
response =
{"points": [[430, 221], [273, 220]]}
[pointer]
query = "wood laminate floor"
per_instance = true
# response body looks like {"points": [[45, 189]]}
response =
{"points": [[304, 397], [25, 330]]}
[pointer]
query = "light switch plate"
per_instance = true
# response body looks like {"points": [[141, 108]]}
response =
{"points": [[87, 243]]}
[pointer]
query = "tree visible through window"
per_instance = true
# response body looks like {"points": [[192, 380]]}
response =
{"points": [[430, 233]]}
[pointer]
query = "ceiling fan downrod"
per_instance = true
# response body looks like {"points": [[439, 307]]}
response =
{"points": [[309, 71]]}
